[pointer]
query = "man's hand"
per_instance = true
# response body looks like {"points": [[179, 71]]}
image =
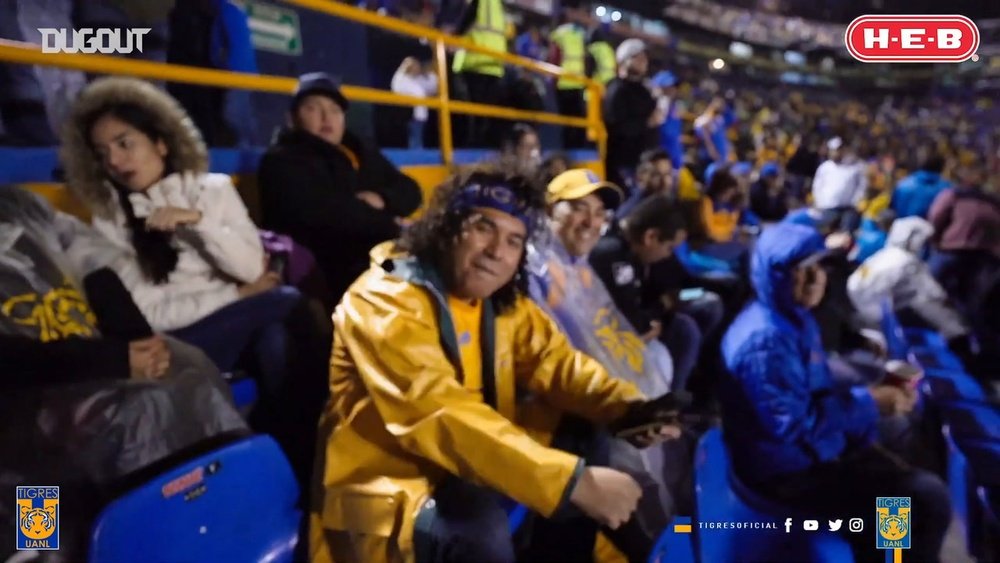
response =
{"points": [[648, 422], [167, 219], [655, 328], [892, 400], [266, 282], [839, 240], [608, 496], [148, 358], [874, 343], [652, 435], [371, 198], [657, 118]]}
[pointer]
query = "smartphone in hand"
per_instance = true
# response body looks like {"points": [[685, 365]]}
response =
{"points": [[277, 263], [691, 294]]}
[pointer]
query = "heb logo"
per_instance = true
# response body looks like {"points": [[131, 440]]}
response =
{"points": [[912, 39]]}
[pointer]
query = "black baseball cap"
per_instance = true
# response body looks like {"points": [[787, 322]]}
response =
{"points": [[318, 83]]}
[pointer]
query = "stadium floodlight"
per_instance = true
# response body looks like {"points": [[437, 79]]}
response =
{"points": [[616, 16], [718, 64], [600, 11]]}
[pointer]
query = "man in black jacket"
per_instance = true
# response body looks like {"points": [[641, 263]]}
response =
{"points": [[630, 112], [636, 262], [330, 191]]}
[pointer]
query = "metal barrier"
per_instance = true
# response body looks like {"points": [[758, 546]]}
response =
{"points": [[28, 53]]}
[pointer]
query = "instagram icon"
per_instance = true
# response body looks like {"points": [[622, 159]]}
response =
{"points": [[856, 525]]}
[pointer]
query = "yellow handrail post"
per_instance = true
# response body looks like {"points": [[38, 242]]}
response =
{"points": [[444, 112], [595, 122]]}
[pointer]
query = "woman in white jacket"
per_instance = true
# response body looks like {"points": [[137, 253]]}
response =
{"points": [[190, 254]]}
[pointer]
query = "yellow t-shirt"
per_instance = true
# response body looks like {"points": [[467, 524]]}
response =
{"points": [[687, 186], [719, 224], [467, 318]]}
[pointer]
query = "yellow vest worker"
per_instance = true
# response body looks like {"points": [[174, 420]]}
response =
{"points": [[605, 67], [572, 44], [488, 31]]}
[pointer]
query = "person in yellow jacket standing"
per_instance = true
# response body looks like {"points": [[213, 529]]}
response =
{"points": [[570, 42], [439, 355], [601, 55], [479, 77]]}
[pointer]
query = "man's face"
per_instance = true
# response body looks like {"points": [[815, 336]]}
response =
{"points": [[638, 65], [529, 150], [661, 178], [578, 223], [808, 285], [650, 249], [322, 117], [486, 254]]}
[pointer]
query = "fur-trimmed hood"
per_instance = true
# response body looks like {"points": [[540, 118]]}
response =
{"points": [[84, 174]]}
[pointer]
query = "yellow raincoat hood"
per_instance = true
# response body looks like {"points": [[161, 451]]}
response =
{"points": [[399, 419]]}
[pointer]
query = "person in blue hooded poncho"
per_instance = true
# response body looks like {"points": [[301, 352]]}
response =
{"points": [[915, 193], [794, 435]]}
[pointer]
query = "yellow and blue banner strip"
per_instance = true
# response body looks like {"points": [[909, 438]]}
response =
{"points": [[682, 525]]}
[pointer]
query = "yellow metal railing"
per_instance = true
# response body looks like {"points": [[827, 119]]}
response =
{"points": [[27, 53]]}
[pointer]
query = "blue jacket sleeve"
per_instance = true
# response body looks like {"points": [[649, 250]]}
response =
{"points": [[818, 419]]}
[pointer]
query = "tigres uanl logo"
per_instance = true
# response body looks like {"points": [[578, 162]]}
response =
{"points": [[38, 518]]}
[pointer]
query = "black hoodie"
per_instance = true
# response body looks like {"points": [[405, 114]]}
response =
{"points": [[308, 190]]}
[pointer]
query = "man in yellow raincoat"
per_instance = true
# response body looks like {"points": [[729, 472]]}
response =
{"points": [[436, 350]]}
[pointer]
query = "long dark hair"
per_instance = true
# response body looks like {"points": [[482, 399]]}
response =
{"points": [[154, 249], [433, 236]]}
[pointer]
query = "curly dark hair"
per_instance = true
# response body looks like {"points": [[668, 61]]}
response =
{"points": [[432, 237]]}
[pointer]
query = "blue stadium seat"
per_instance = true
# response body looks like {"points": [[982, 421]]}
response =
{"points": [[236, 503], [895, 339], [925, 338], [244, 393], [934, 358], [972, 419], [972, 476], [673, 547], [244, 390], [721, 498], [989, 502], [949, 385], [924, 347]]}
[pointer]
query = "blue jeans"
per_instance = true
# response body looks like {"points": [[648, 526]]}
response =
{"points": [[249, 328], [683, 338], [687, 333], [416, 134], [706, 310]]}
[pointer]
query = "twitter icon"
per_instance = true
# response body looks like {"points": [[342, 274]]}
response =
{"points": [[835, 524]]}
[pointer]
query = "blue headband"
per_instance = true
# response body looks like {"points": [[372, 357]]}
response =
{"points": [[494, 196]]}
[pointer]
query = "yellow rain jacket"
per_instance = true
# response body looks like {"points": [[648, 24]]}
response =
{"points": [[399, 419]]}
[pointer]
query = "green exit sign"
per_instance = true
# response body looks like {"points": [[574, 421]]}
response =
{"points": [[273, 28]]}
